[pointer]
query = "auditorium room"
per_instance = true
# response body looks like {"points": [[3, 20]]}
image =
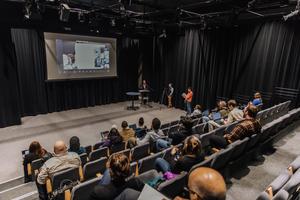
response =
{"points": [[150, 99]]}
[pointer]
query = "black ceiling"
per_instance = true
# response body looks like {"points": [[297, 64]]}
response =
{"points": [[142, 16]]}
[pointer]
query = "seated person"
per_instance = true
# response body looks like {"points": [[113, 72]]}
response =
{"points": [[75, 146], [141, 130], [190, 155], [205, 184], [246, 128], [35, 152], [197, 111], [154, 134], [118, 172], [221, 110], [257, 99], [62, 159], [113, 138], [235, 113], [186, 130], [128, 135]]}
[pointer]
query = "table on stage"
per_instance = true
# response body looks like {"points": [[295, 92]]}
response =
{"points": [[133, 95]]}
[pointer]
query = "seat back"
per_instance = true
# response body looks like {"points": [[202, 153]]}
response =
{"points": [[220, 131], [172, 188], [126, 152], [221, 158], [99, 153], [83, 158], [280, 181], [88, 149], [167, 154], [204, 163], [117, 148], [65, 177], [239, 148], [133, 168], [204, 138], [140, 152], [104, 134], [174, 128], [253, 140], [230, 127], [165, 130], [281, 195], [199, 129], [148, 163], [82, 191], [35, 166], [173, 123], [97, 145], [91, 169], [166, 125], [133, 126]]}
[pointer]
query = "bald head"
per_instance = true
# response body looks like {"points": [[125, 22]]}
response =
{"points": [[60, 147], [206, 184]]}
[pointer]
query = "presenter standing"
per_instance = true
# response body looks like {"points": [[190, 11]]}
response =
{"points": [[188, 98], [170, 95]]}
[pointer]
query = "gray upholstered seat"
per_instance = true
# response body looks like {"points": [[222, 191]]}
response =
{"points": [[172, 188], [92, 168], [82, 191], [148, 163], [140, 152], [99, 153]]}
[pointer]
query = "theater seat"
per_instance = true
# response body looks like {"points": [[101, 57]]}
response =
{"points": [[293, 183], [221, 158], [35, 166], [94, 168], [99, 153], [148, 176], [82, 191], [264, 196], [205, 163], [126, 152], [97, 145], [278, 183], [88, 149], [199, 129], [204, 138], [83, 158], [117, 148], [163, 126], [281, 195], [148, 163], [62, 179], [239, 148], [295, 164], [172, 188], [139, 152]]}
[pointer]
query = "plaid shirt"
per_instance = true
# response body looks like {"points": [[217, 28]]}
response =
{"points": [[244, 129]]}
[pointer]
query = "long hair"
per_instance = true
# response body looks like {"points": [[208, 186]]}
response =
{"points": [[192, 146], [36, 148], [119, 167]]}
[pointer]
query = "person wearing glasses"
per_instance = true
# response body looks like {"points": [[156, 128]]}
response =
{"points": [[205, 184]]}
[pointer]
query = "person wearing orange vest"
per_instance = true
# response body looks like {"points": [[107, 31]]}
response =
{"points": [[188, 100]]}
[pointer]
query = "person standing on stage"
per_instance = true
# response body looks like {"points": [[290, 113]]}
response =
{"points": [[170, 95], [145, 85], [188, 100]]}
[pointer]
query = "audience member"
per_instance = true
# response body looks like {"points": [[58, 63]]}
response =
{"points": [[249, 126], [186, 130], [75, 146], [128, 135], [235, 113], [197, 111], [154, 134], [113, 138], [183, 160], [206, 184], [141, 130], [62, 159], [119, 171], [222, 108], [35, 152], [257, 101]]}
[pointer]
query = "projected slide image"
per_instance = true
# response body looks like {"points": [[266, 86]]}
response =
{"points": [[81, 55]]}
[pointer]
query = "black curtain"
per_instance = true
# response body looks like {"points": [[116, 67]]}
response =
{"points": [[25, 91], [9, 105], [224, 62]]}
